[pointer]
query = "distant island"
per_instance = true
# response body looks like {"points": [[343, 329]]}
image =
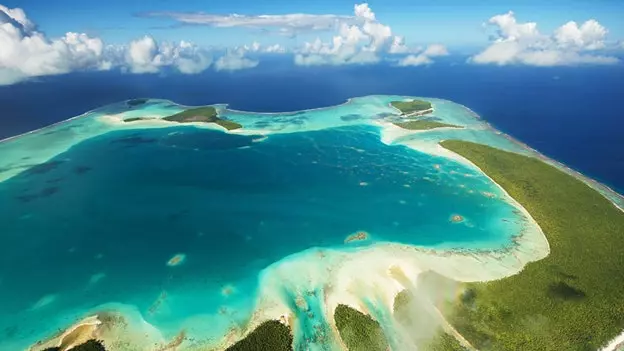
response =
{"points": [[413, 107], [417, 108], [206, 114]]}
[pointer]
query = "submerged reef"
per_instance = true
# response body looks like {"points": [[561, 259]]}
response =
{"points": [[359, 236], [136, 102]]}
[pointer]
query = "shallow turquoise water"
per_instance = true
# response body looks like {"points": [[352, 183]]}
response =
{"points": [[98, 223]]}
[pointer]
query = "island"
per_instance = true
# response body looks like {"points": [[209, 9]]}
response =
{"points": [[202, 114], [412, 107], [206, 114], [424, 125]]}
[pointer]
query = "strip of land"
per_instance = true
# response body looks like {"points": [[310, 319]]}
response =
{"points": [[424, 125], [200, 114]]}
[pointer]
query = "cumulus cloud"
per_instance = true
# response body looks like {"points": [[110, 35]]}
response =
{"points": [[522, 43], [235, 60], [145, 55], [26, 52], [398, 46], [259, 48], [365, 40], [425, 56], [364, 11]]}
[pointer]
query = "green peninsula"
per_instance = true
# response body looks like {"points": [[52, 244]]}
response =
{"points": [[359, 331], [270, 335], [571, 300], [424, 125], [413, 107], [200, 114]]}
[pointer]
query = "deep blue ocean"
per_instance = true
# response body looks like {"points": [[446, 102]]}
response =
{"points": [[573, 114]]}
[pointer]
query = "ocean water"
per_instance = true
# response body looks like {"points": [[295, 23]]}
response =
{"points": [[571, 114], [96, 222]]}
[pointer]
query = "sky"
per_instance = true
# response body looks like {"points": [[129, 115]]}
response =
{"points": [[39, 38]]}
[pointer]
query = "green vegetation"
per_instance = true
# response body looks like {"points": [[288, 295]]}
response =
{"points": [[89, 345], [202, 114], [423, 125], [269, 336], [199, 114], [409, 107], [359, 331], [571, 300], [444, 342], [133, 119], [415, 319]]}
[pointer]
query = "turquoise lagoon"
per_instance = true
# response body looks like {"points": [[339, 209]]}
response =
{"points": [[93, 209]]}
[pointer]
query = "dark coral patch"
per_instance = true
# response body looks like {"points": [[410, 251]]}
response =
{"points": [[134, 140], [82, 169], [46, 192], [43, 168], [351, 117]]}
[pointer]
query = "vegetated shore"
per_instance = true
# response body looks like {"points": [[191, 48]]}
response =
{"points": [[571, 300]]}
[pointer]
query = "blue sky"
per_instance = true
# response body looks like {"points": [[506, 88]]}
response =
{"points": [[452, 22], [42, 37]]}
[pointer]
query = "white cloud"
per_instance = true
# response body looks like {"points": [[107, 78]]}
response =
{"points": [[415, 60], [286, 24], [234, 60], [275, 49], [424, 58], [26, 52], [364, 41], [364, 11], [145, 55], [522, 43], [271, 49], [398, 46], [589, 36], [435, 50]]}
